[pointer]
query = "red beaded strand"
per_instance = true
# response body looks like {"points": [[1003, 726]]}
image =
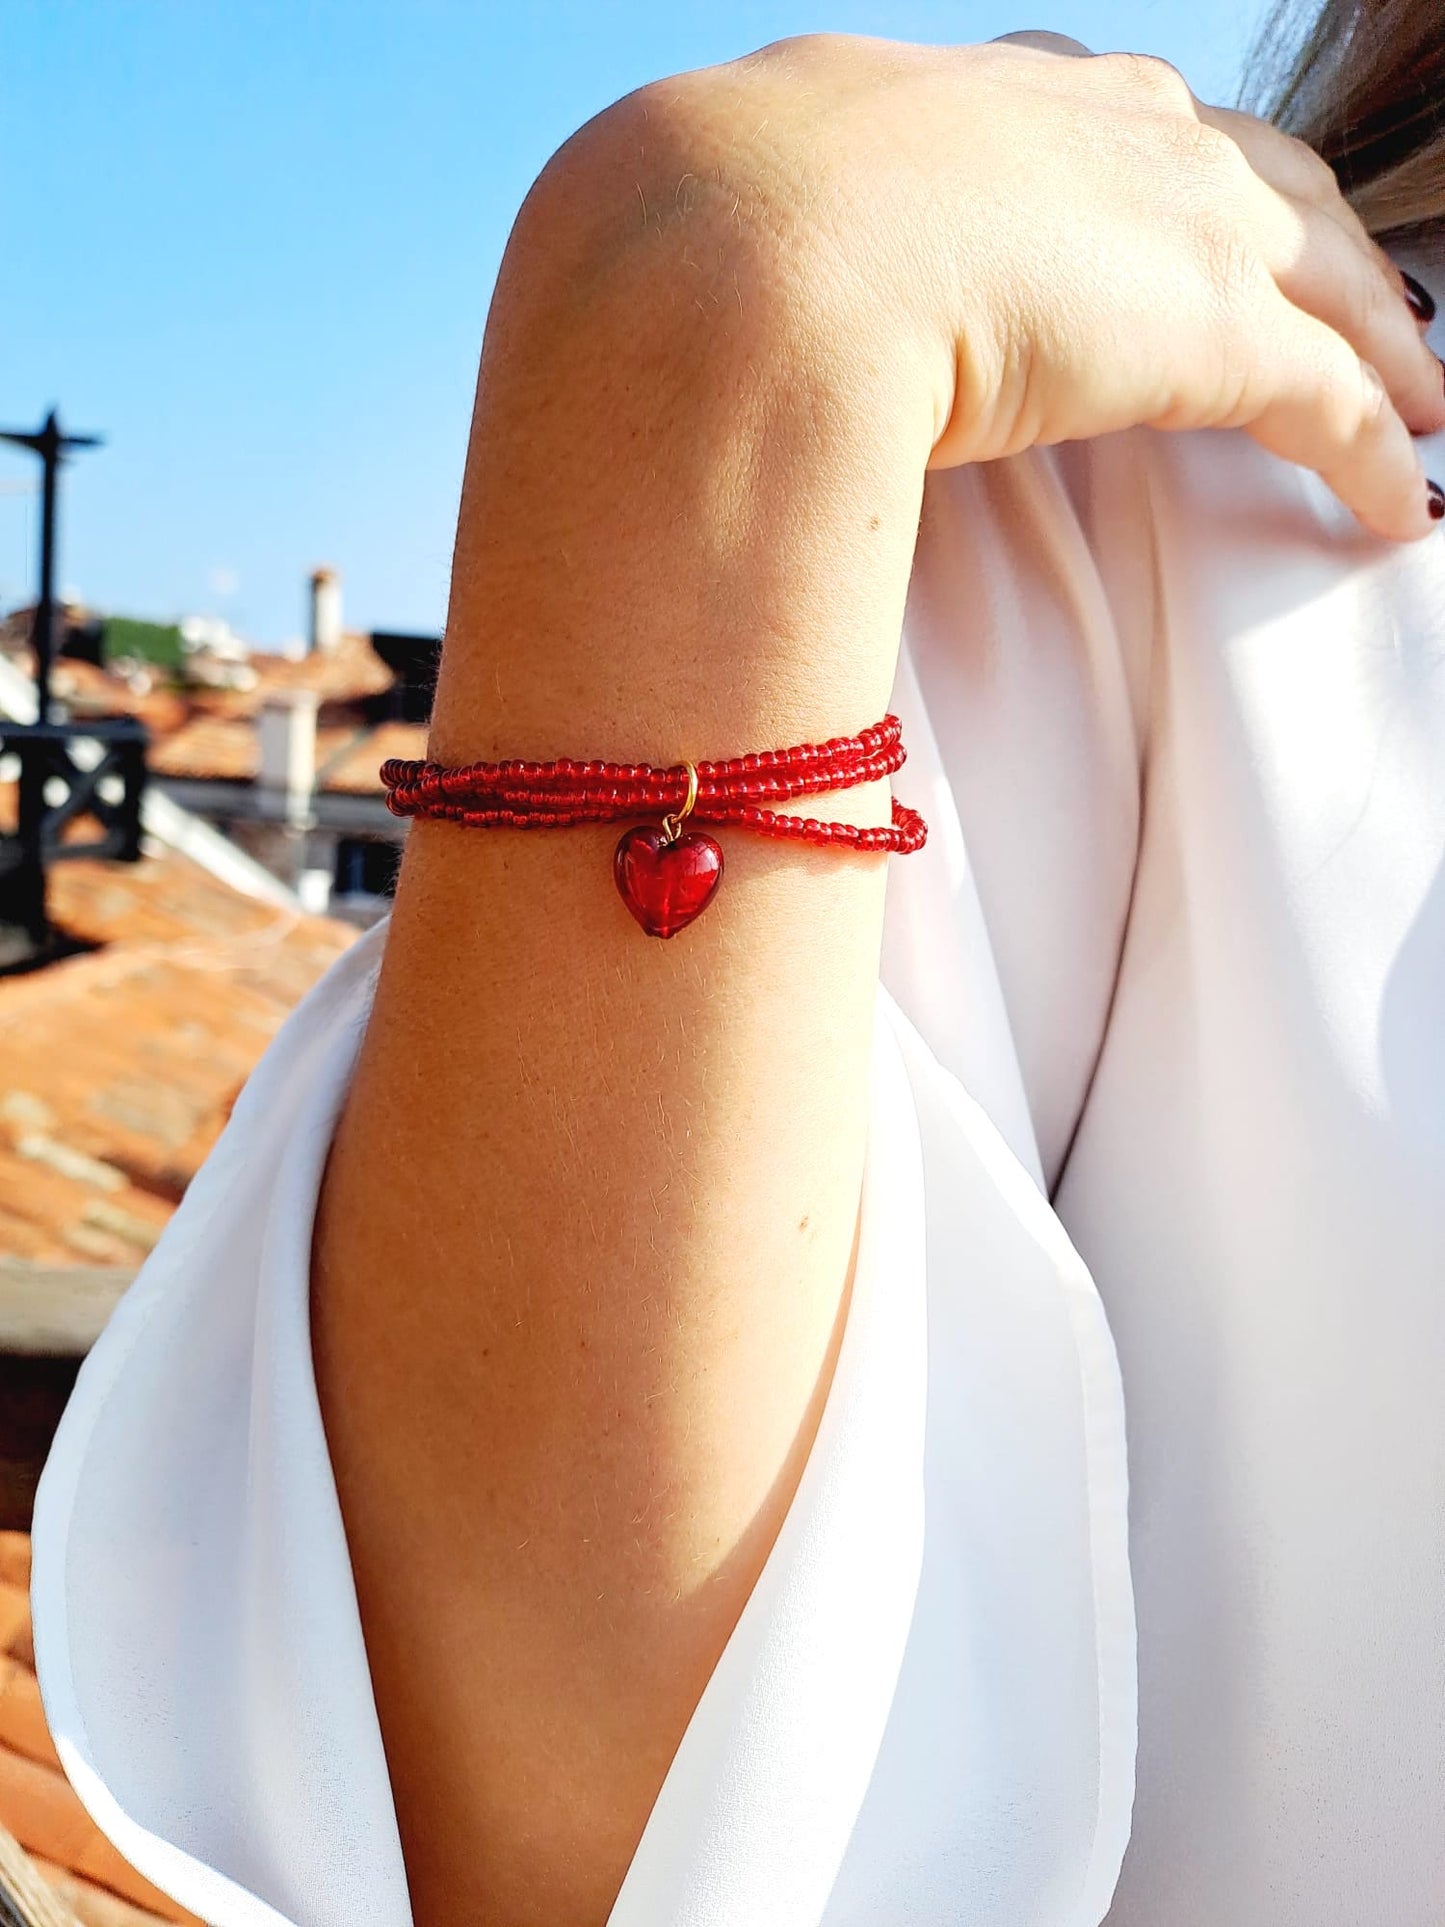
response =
{"points": [[667, 878], [523, 795]]}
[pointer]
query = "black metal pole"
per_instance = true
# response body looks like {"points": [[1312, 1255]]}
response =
{"points": [[44, 637], [51, 444]]}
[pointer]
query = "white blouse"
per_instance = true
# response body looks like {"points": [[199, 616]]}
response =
{"points": [[1158, 1126]]}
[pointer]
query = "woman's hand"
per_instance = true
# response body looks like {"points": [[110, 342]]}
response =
{"points": [[1065, 246]]}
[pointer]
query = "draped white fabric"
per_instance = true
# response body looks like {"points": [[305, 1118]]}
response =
{"points": [[1165, 994]]}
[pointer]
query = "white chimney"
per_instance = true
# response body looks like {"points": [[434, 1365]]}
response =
{"points": [[325, 611], [286, 736]]}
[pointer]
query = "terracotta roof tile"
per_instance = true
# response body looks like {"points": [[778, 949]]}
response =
{"points": [[216, 746], [29, 1900], [345, 675], [22, 1717], [92, 1906], [37, 1804], [89, 690], [118, 1067], [227, 748], [14, 1615], [356, 769]]}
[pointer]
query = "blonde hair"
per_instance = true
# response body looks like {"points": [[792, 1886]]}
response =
{"points": [[1366, 89]]}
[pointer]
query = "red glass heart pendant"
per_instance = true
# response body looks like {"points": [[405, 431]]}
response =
{"points": [[665, 884]]}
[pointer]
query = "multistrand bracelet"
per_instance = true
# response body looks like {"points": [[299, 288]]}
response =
{"points": [[667, 877]]}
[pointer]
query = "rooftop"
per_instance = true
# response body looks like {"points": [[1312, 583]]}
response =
{"points": [[207, 732], [121, 1063]]}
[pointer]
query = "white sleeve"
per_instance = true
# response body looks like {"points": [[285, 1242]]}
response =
{"points": [[926, 1710]]}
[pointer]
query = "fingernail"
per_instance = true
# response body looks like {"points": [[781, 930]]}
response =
{"points": [[1435, 497], [1422, 302]]}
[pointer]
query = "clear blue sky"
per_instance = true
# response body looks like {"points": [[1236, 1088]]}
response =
{"points": [[253, 243]]}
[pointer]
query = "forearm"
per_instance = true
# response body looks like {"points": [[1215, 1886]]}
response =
{"points": [[585, 1238]]}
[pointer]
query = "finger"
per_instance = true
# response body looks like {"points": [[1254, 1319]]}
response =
{"points": [[1288, 164], [1320, 268], [1325, 408], [1295, 170]]}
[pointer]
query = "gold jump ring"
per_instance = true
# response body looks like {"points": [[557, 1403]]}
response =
{"points": [[672, 822]]}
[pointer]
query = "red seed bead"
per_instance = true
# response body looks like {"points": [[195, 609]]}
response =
{"points": [[518, 793]]}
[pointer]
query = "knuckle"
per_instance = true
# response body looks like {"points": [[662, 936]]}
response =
{"points": [[1228, 262], [1370, 314], [1209, 152], [1157, 79], [1318, 181], [801, 55], [1355, 405], [1374, 408], [789, 47], [1388, 276], [1372, 302]]}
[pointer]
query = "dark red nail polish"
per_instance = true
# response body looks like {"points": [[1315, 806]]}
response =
{"points": [[1422, 302], [1436, 498]]}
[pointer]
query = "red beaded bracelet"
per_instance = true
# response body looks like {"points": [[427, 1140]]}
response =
{"points": [[666, 877]]}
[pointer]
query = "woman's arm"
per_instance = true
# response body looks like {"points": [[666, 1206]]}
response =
{"points": [[584, 1244]]}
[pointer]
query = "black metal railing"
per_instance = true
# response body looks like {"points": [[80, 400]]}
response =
{"points": [[68, 773]]}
